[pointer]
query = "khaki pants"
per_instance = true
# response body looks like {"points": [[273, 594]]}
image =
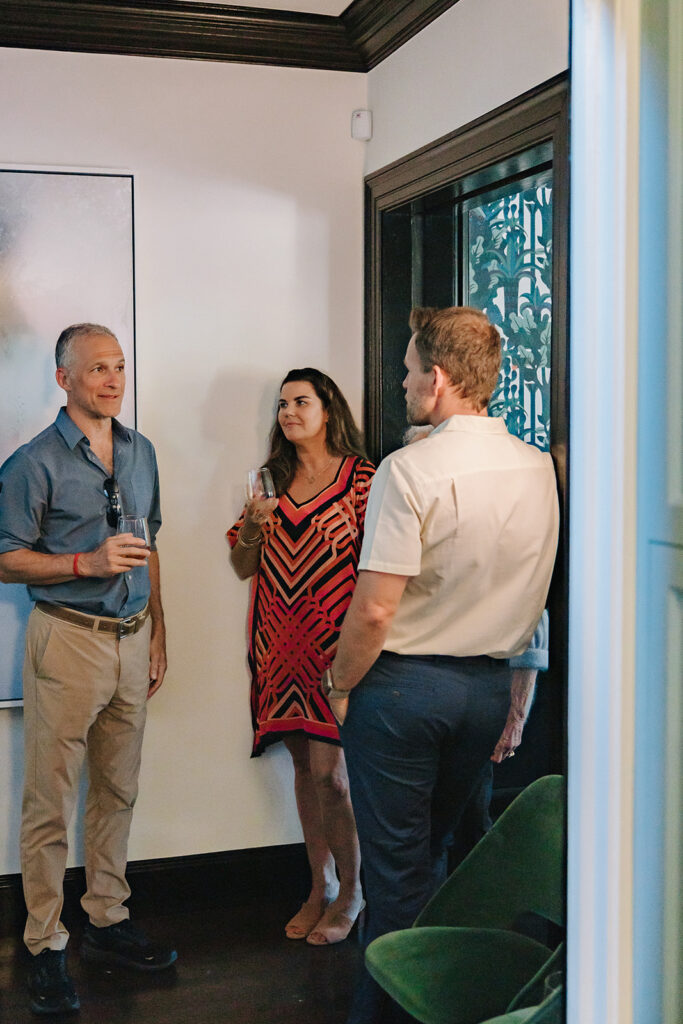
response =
{"points": [[85, 693]]}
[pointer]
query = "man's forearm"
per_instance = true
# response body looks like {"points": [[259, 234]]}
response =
{"points": [[522, 689], [117, 554], [155, 607], [359, 647], [522, 686], [26, 566], [157, 643], [366, 625]]}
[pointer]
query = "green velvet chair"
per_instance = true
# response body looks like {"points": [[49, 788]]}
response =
{"points": [[466, 959], [550, 1011]]}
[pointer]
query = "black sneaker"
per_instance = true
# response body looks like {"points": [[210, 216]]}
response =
{"points": [[124, 944], [50, 987]]}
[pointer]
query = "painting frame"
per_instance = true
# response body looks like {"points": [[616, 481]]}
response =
{"points": [[67, 255]]}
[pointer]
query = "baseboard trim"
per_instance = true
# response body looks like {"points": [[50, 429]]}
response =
{"points": [[228, 878]]}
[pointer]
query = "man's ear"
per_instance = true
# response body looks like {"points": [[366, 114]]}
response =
{"points": [[62, 378], [441, 381]]}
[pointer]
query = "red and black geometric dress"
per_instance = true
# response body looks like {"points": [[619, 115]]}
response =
{"points": [[299, 595]]}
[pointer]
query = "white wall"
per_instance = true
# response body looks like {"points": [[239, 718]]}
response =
{"points": [[474, 57], [248, 215], [248, 196]]}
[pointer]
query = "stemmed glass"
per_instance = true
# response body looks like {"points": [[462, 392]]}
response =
{"points": [[260, 484]]}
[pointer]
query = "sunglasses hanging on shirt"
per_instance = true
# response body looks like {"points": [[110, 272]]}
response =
{"points": [[114, 510]]}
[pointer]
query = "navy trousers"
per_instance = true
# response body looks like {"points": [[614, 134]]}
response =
{"points": [[417, 736]]}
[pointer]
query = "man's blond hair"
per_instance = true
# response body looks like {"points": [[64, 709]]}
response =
{"points": [[464, 344]]}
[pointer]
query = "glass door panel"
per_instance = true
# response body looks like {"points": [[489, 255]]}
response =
{"points": [[508, 275]]}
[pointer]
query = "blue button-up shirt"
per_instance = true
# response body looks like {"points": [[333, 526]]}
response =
{"points": [[52, 500]]}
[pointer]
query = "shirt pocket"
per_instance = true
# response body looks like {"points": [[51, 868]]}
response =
{"points": [[77, 501], [138, 494]]}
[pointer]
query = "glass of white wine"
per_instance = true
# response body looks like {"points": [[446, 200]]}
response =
{"points": [[260, 484]]}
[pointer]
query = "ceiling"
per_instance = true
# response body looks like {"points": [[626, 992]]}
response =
{"points": [[330, 34]]}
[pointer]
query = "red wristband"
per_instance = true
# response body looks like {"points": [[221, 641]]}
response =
{"points": [[75, 565]]}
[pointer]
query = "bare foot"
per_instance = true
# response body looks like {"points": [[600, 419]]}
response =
{"points": [[336, 922], [305, 920]]}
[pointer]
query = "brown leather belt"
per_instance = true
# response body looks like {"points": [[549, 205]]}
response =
{"points": [[118, 628]]}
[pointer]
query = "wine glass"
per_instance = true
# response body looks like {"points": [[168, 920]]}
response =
{"points": [[137, 525], [260, 484]]}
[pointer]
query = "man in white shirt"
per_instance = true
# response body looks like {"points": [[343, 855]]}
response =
{"points": [[460, 540]]}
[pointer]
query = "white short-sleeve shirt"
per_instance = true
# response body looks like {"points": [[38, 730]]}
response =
{"points": [[471, 515]]}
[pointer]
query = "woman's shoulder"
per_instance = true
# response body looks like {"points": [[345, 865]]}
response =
{"points": [[362, 473], [362, 466]]}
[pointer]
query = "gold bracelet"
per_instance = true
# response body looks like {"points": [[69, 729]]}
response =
{"points": [[244, 543]]}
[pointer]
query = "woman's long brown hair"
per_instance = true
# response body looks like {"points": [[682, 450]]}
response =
{"points": [[343, 436]]}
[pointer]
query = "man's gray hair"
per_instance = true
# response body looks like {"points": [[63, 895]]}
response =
{"points": [[416, 433], [63, 348]]}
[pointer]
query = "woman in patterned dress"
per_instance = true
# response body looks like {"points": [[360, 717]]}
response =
{"points": [[301, 550]]}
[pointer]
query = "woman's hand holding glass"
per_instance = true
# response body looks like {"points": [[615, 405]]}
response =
{"points": [[261, 500], [261, 503], [259, 511]]}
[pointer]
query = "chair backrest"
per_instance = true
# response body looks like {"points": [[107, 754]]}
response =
{"points": [[516, 869], [550, 1011]]}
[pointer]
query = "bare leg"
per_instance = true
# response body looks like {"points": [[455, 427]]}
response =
{"points": [[324, 885], [328, 769]]}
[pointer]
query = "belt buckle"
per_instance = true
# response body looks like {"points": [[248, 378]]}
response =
{"points": [[126, 627]]}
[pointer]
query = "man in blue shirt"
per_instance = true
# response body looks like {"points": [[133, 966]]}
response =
{"points": [[95, 653]]}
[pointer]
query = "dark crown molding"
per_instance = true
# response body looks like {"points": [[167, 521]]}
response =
{"points": [[378, 28], [175, 28], [366, 32]]}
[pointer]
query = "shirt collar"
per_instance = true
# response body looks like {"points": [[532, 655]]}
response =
{"points": [[68, 429], [125, 433], [72, 434], [472, 424]]}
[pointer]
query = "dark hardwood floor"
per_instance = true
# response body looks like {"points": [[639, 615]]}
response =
{"points": [[234, 964]]}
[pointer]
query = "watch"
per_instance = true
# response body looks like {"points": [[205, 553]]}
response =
{"points": [[327, 686]]}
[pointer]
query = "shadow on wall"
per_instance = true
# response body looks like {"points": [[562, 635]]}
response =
{"points": [[238, 426]]}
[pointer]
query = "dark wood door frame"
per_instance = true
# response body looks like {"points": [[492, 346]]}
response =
{"points": [[539, 116], [504, 135]]}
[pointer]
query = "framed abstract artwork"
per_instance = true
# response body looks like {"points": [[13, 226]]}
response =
{"points": [[66, 256]]}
